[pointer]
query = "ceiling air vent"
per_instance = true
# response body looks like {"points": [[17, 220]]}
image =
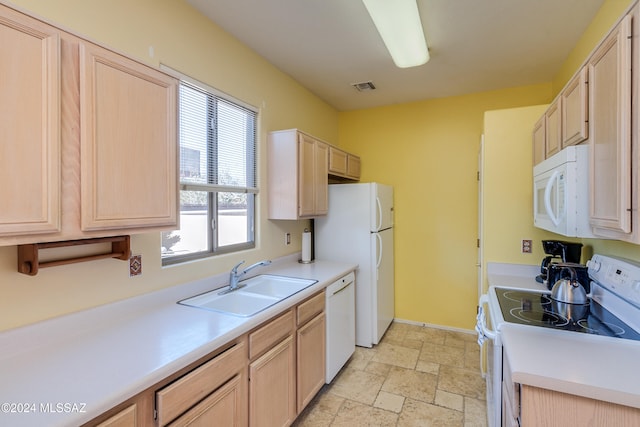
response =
{"points": [[364, 86]]}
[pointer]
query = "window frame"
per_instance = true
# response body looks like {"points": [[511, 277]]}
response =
{"points": [[214, 190]]}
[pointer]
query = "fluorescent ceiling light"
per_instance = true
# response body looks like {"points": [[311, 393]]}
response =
{"points": [[399, 25]]}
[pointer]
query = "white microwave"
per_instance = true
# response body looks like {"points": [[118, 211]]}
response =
{"points": [[561, 193]]}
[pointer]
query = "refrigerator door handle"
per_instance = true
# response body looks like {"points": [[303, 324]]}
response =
{"points": [[379, 218], [379, 247]]}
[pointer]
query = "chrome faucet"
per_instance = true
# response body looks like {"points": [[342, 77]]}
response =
{"points": [[234, 275]]}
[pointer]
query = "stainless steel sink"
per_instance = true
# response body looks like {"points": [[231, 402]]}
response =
{"points": [[253, 295]]}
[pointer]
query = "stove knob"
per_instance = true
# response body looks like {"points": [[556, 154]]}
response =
{"points": [[636, 286], [594, 265]]}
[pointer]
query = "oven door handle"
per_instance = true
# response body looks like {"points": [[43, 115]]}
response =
{"points": [[481, 324], [483, 333]]}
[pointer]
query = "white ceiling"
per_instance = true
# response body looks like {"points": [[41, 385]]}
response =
{"points": [[475, 45]]}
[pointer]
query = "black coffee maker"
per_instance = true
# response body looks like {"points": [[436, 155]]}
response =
{"points": [[558, 252]]}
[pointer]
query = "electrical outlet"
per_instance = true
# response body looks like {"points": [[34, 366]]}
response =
{"points": [[287, 239], [526, 246], [135, 265]]}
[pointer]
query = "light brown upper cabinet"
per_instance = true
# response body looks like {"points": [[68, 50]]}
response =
{"points": [[539, 141], [298, 168], [128, 142], [343, 164], [574, 107], [553, 128], [566, 120], [337, 161], [313, 190], [610, 134], [353, 167], [29, 125], [88, 138]]}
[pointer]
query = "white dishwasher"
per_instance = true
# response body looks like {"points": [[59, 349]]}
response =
{"points": [[341, 323]]}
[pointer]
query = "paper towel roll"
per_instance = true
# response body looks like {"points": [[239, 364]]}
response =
{"points": [[306, 246]]}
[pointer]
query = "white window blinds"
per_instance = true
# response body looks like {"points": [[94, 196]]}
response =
{"points": [[217, 143]]}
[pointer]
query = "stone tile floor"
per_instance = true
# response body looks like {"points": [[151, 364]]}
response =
{"points": [[416, 376]]}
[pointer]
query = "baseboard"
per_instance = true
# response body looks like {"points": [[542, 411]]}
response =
{"points": [[429, 325]]}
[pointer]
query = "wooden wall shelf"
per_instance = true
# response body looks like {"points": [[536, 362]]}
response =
{"points": [[29, 263]]}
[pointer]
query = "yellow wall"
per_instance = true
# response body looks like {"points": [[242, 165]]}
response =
{"points": [[429, 152], [508, 187], [185, 40]]}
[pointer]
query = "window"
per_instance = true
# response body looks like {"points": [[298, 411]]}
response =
{"points": [[217, 176]]}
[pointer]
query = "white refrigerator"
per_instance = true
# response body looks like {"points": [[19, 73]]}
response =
{"points": [[359, 229]]}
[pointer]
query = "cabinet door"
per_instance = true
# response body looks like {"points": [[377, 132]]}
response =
{"points": [[353, 167], [337, 161], [575, 110], [272, 397], [128, 143], [610, 133], [311, 359], [553, 129], [539, 138], [306, 178], [321, 186], [224, 407], [313, 179], [29, 125]]}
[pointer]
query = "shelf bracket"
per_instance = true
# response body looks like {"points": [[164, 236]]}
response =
{"points": [[29, 263]]}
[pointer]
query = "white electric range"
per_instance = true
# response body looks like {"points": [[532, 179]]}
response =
{"points": [[522, 312]]}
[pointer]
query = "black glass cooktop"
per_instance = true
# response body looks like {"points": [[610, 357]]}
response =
{"points": [[537, 309]]}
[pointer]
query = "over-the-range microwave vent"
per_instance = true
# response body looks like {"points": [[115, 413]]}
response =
{"points": [[364, 86]]}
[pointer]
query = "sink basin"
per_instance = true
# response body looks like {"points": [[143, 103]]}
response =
{"points": [[236, 303], [275, 286], [253, 295]]}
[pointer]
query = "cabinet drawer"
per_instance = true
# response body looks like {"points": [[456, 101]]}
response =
{"points": [[270, 334], [310, 308], [223, 407], [190, 389], [125, 418]]}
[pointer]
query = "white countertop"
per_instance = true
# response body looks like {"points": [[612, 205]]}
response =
{"points": [[592, 366], [502, 275], [68, 370], [601, 368]]}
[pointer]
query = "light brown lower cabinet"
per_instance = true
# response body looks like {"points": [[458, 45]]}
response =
{"points": [[224, 407], [125, 418], [214, 389], [272, 383], [542, 407], [311, 348], [310, 360], [264, 378], [288, 375], [528, 406]]}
